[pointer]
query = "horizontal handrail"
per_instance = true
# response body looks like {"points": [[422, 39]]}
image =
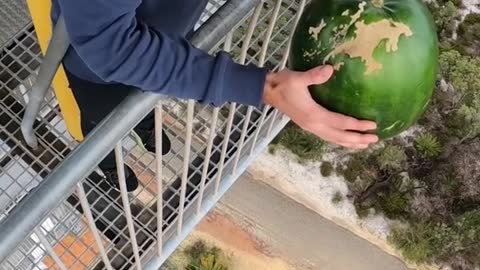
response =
{"points": [[77, 165]]}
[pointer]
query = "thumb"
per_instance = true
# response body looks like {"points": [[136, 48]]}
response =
{"points": [[318, 75]]}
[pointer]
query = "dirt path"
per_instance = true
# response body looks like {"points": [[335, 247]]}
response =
{"points": [[243, 250], [299, 234]]}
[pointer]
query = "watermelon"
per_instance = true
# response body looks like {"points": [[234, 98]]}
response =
{"points": [[385, 55]]}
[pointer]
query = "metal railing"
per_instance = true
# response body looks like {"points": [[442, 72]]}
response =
{"points": [[56, 216]]}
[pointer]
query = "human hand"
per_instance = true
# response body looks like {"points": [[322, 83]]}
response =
{"points": [[288, 92]]}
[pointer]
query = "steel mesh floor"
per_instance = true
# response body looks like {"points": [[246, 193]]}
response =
{"points": [[13, 17]]}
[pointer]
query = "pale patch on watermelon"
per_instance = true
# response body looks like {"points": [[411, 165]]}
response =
{"points": [[338, 65], [426, 104], [367, 39], [314, 31], [309, 55], [361, 9], [346, 12], [354, 18], [397, 123]]}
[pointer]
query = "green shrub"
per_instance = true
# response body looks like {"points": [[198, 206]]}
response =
{"points": [[197, 250], [462, 72], [428, 145], [392, 157], [362, 212], [457, 3], [394, 204], [424, 241], [337, 198], [467, 119], [326, 169], [469, 34], [360, 165], [202, 257], [355, 166], [207, 262], [303, 144], [414, 242], [444, 17]]}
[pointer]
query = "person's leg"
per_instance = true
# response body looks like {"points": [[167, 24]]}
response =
{"points": [[96, 101]]}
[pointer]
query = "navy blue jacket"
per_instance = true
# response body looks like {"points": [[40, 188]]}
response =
{"points": [[142, 43]]}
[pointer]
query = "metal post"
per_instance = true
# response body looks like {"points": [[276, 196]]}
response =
{"points": [[56, 51]]}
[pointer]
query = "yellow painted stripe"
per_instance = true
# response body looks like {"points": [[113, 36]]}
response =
{"points": [[40, 12]]}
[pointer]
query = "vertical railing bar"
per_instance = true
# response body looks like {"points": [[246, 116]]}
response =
{"points": [[227, 46], [271, 26], [159, 174], [91, 223], [242, 138], [44, 241], [251, 29], [263, 54], [233, 105], [126, 203], [186, 162], [207, 158], [226, 141], [243, 56], [286, 54], [270, 126], [259, 128]]}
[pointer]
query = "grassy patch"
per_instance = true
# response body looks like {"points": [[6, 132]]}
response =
{"points": [[394, 204], [469, 34], [203, 257], [423, 241], [306, 146], [428, 145], [392, 158], [337, 198], [359, 165], [326, 169]]}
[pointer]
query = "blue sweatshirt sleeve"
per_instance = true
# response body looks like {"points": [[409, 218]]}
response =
{"points": [[119, 48]]}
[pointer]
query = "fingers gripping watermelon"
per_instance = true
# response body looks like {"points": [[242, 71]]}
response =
{"points": [[385, 55]]}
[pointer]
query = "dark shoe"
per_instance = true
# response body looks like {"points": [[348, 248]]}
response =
{"points": [[150, 142], [130, 177]]}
